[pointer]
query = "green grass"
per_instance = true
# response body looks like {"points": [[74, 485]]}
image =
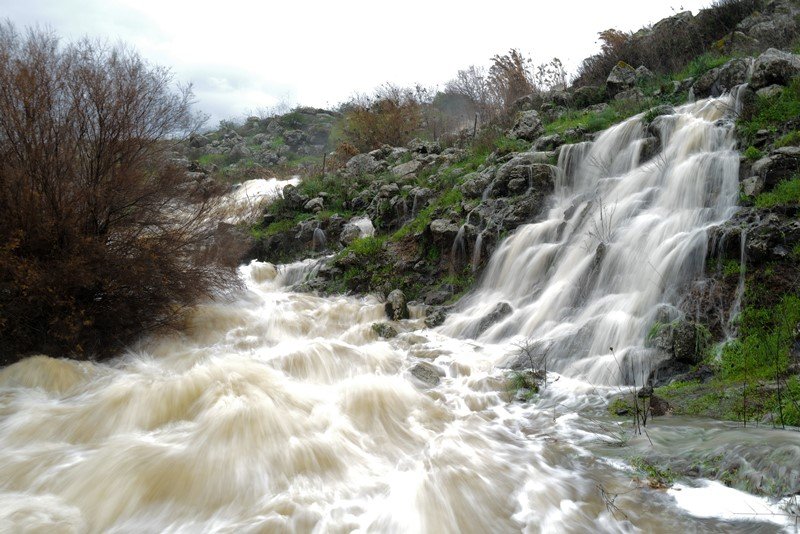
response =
{"points": [[700, 65], [772, 113], [366, 247], [506, 145], [790, 139], [278, 227], [207, 160], [731, 268], [785, 193], [765, 339], [617, 111], [753, 154]]}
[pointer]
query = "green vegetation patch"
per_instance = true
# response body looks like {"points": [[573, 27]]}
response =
{"points": [[785, 193], [772, 113]]}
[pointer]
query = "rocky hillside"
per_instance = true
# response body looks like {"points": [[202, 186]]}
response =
{"points": [[424, 218], [272, 145]]}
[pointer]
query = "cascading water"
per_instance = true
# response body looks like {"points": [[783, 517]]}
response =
{"points": [[623, 236], [285, 412]]}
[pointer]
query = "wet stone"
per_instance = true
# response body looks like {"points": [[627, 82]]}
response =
{"points": [[426, 373]]}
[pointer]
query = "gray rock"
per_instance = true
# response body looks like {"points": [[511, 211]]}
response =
{"points": [[737, 42], [443, 232], [774, 67], [427, 373], [622, 77], [706, 85], [419, 146], [633, 95], [315, 204], [548, 142], [643, 74], [240, 151], [690, 341], [406, 169], [350, 232], [770, 91], [528, 126], [388, 190], [588, 96], [734, 72], [363, 164], [538, 175], [198, 140], [435, 316], [294, 199], [396, 306], [517, 186], [527, 102], [779, 165], [419, 199], [752, 186], [499, 312], [384, 330], [772, 29], [560, 98]]}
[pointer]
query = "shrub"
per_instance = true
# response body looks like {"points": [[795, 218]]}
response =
{"points": [[101, 237], [753, 154], [391, 117]]}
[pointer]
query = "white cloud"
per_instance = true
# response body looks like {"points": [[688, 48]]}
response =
{"points": [[245, 55]]}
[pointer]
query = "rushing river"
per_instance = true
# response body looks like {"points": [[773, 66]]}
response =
{"points": [[280, 411]]}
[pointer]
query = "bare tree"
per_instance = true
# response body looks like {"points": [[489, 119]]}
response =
{"points": [[101, 236]]}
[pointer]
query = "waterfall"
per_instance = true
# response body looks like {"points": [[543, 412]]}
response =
{"points": [[624, 234], [283, 411]]}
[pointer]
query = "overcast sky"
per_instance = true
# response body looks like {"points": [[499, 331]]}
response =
{"points": [[245, 56]]}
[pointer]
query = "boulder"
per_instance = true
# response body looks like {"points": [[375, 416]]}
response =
{"points": [[499, 312], [384, 330], [690, 341], [588, 95], [772, 29], [527, 102], [407, 169], [621, 78], [528, 126], [363, 164], [419, 146], [427, 373], [771, 91], [435, 315], [734, 72], [198, 140], [706, 84], [774, 67], [396, 306], [315, 204], [293, 198], [643, 74], [524, 166], [548, 142], [443, 232], [781, 164], [419, 199], [350, 232], [634, 95], [752, 186]]}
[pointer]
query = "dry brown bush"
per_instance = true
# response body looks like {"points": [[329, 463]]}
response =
{"points": [[101, 238], [392, 116], [665, 48]]}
